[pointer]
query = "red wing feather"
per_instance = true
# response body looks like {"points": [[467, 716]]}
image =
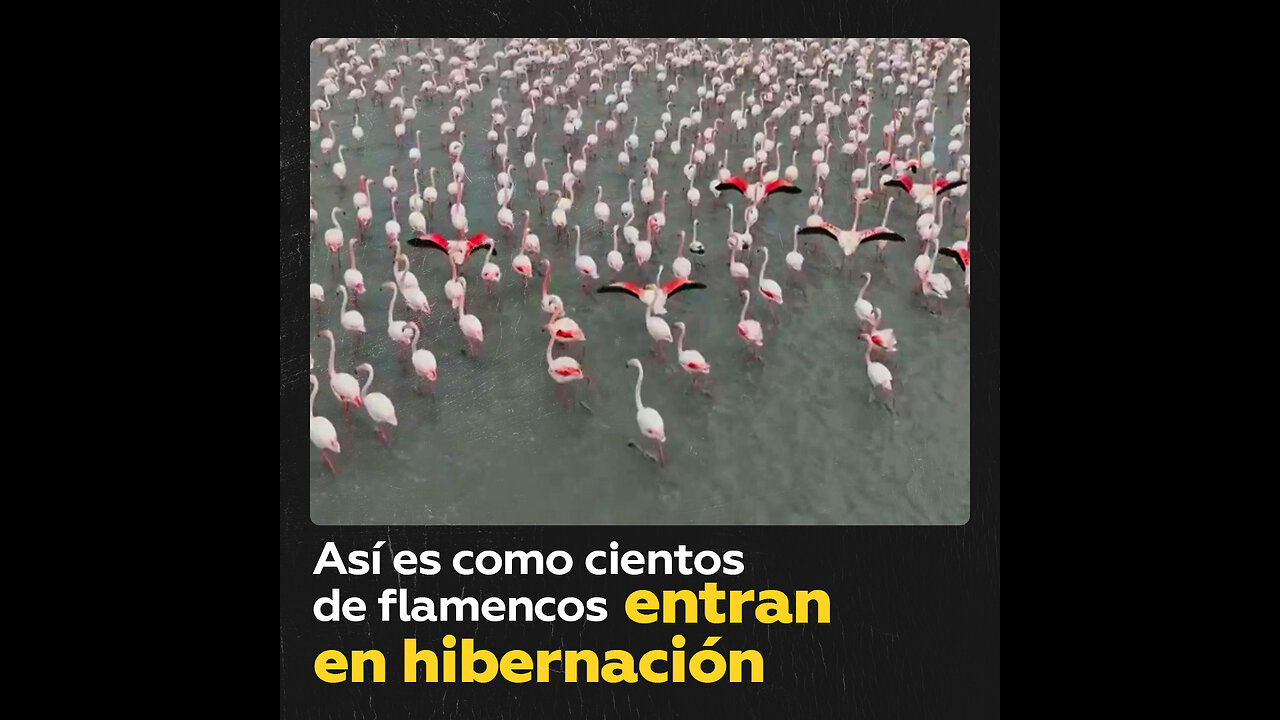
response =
{"points": [[781, 185], [679, 284], [734, 183], [434, 240], [623, 287]]}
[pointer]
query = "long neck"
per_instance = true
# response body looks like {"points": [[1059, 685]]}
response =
{"points": [[546, 278], [351, 252], [639, 380], [577, 244], [364, 390], [462, 304], [550, 341], [864, 288], [857, 214], [680, 341], [315, 387], [343, 310], [414, 348], [395, 294], [766, 262], [867, 355], [745, 302], [887, 205], [333, 344]]}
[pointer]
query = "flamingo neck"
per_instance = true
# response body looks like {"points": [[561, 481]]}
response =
{"points": [[369, 381], [639, 380], [333, 344]]}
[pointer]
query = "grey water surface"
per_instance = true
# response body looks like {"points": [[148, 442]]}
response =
{"points": [[792, 440]]}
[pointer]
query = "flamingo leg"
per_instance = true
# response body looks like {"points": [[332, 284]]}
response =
{"points": [[662, 454], [324, 454], [562, 395]]}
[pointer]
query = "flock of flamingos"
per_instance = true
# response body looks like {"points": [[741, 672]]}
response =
{"points": [[814, 91]]}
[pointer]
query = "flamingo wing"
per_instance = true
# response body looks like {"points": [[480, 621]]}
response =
{"points": [[434, 240], [944, 186], [734, 183], [903, 181], [781, 185], [961, 259], [827, 229], [676, 286], [879, 233], [623, 287], [480, 240]]}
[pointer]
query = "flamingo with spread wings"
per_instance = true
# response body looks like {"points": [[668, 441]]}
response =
{"points": [[457, 250]]}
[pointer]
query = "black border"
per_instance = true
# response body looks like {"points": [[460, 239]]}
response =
{"points": [[925, 598]]}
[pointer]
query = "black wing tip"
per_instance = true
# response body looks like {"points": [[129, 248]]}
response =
{"points": [[789, 189], [614, 289], [953, 255], [884, 236], [811, 230], [728, 186], [896, 183]]}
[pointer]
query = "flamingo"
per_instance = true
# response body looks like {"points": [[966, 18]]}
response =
{"points": [[862, 307], [681, 266], [317, 293], [543, 186], [768, 288], [935, 284], [357, 132], [648, 419], [628, 208], [326, 144], [424, 361], [344, 386], [453, 289], [657, 327], [490, 273], [379, 406], [614, 258], [850, 240], [755, 192], [601, 209], [352, 277], [794, 259], [396, 329], [470, 325], [550, 303], [364, 213], [691, 360], [340, 167], [883, 339], [323, 434], [563, 370], [521, 264], [738, 270], [457, 250], [659, 219], [879, 375], [585, 264], [750, 330], [563, 329], [430, 194], [351, 320], [653, 293], [393, 225]]}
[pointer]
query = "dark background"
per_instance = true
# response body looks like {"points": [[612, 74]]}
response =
{"points": [[915, 626]]}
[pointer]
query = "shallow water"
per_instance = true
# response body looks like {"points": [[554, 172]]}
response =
{"points": [[792, 440]]}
